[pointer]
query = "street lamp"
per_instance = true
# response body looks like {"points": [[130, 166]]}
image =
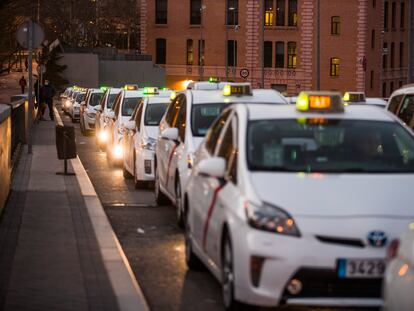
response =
{"points": [[201, 47]]}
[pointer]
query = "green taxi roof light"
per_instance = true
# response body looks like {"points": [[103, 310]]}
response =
{"points": [[213, 79], [325, 102], [150, 90]]}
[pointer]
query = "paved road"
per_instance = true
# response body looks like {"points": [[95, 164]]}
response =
{"points": [[150, 238]]}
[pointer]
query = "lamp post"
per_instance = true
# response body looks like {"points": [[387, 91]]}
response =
{"points": [[201, 47]]}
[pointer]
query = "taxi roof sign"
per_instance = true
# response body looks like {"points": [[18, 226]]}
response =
{"points": [[354, 97], [131, 87], [320, 102], [150, 90], [237, 89], [213, 80]]}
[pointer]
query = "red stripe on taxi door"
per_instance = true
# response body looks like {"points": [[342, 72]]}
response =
{"points": [[209, 214]]}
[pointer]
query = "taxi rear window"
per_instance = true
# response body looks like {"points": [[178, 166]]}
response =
{"points": [[80, 97], [329, 146], [203, 115], [154, 114], [129, 104]]}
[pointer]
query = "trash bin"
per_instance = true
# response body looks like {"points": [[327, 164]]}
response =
{"points": [[65, 142]]}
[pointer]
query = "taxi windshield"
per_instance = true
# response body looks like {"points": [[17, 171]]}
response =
{"points": [[111, 100], [80, 97], [95, 99], [202, 117], [128, 105], [329, 146], [154, 114]]}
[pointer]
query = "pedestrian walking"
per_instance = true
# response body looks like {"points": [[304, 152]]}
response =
{"points": [[23, 83], [47, 92]]}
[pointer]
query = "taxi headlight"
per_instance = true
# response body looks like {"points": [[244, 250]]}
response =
{"points": [[271, 218], [118, 151], [148, 143], [67, 103]]}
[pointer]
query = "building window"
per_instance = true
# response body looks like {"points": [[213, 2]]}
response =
{"points": [[372, 80], [392, 55], [160, 51], [393, 14], [280, 54], [401, 54], [335, 25], [374, 3], [195, 12], [292, 55], [391, 87], [373, 39], [280, 12], [232, 53], [384, 55], [201, 50], [161, 11], [386, 15], [232, 12], [293, 13], [269, 13], [190, 52], [402, 15], [268, 53], [400, 84], [335, 62], [384, 90]]}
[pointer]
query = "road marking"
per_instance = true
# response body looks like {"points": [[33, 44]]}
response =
{"points": [[209, 214]]}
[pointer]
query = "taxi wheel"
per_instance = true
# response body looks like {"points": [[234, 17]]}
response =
{"points": [[191, 259], [228, 275], [160, 197], [179, 204]]}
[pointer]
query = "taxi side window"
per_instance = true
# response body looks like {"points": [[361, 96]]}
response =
{"points": [[181, 119], [407, 109], [139, 116], [228, 150], [214, 133], [103, 99], [117, 104], [394, 103], [172, 111]]}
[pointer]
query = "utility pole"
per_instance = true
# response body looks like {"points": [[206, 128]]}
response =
{"points": [[29, 96], [262, 10], [410, 42], [318, 45]]}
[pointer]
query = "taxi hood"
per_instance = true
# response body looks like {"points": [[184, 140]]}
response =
{"points": [[337, 194]]}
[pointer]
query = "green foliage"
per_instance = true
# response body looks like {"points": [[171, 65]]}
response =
{"points": [[54, 70]]}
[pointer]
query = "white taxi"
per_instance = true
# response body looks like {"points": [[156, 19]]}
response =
{"points": [[120, 114], [295, 204], [141, 135], [73, 109], [182, 130], [64, 99], [101, 118], [399, 277], [88, 109]]}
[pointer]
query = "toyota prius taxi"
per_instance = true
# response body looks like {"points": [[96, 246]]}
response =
{"points": [[296, 204]]}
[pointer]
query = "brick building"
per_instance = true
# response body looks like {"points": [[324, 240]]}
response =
{"points": [[195, 39]]}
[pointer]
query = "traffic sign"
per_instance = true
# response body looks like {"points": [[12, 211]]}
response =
{"points": [[244, 73], [23, 37]]}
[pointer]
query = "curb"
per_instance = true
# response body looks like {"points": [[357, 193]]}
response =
{"points": [[126, 288]]}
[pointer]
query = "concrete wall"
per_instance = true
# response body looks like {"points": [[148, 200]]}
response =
{"points": [[88, 71], [119, 73], [82, 69], [5, 154]]}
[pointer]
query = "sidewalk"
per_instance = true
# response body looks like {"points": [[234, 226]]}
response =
{"points": [[54, 253]]}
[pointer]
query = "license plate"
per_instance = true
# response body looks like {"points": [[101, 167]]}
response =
{"points": [[361, 268]]}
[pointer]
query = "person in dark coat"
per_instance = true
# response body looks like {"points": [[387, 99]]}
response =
{"points": [[23, 83], [47, 93]]}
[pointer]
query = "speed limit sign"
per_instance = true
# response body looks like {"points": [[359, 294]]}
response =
{"points": [[244, 73]]}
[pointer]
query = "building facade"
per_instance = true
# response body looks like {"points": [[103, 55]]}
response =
{"points": [[232, 39]]}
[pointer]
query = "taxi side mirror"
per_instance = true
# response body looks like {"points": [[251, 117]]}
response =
{"points": [[212, 167], [130, 125], [170, 133]]}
